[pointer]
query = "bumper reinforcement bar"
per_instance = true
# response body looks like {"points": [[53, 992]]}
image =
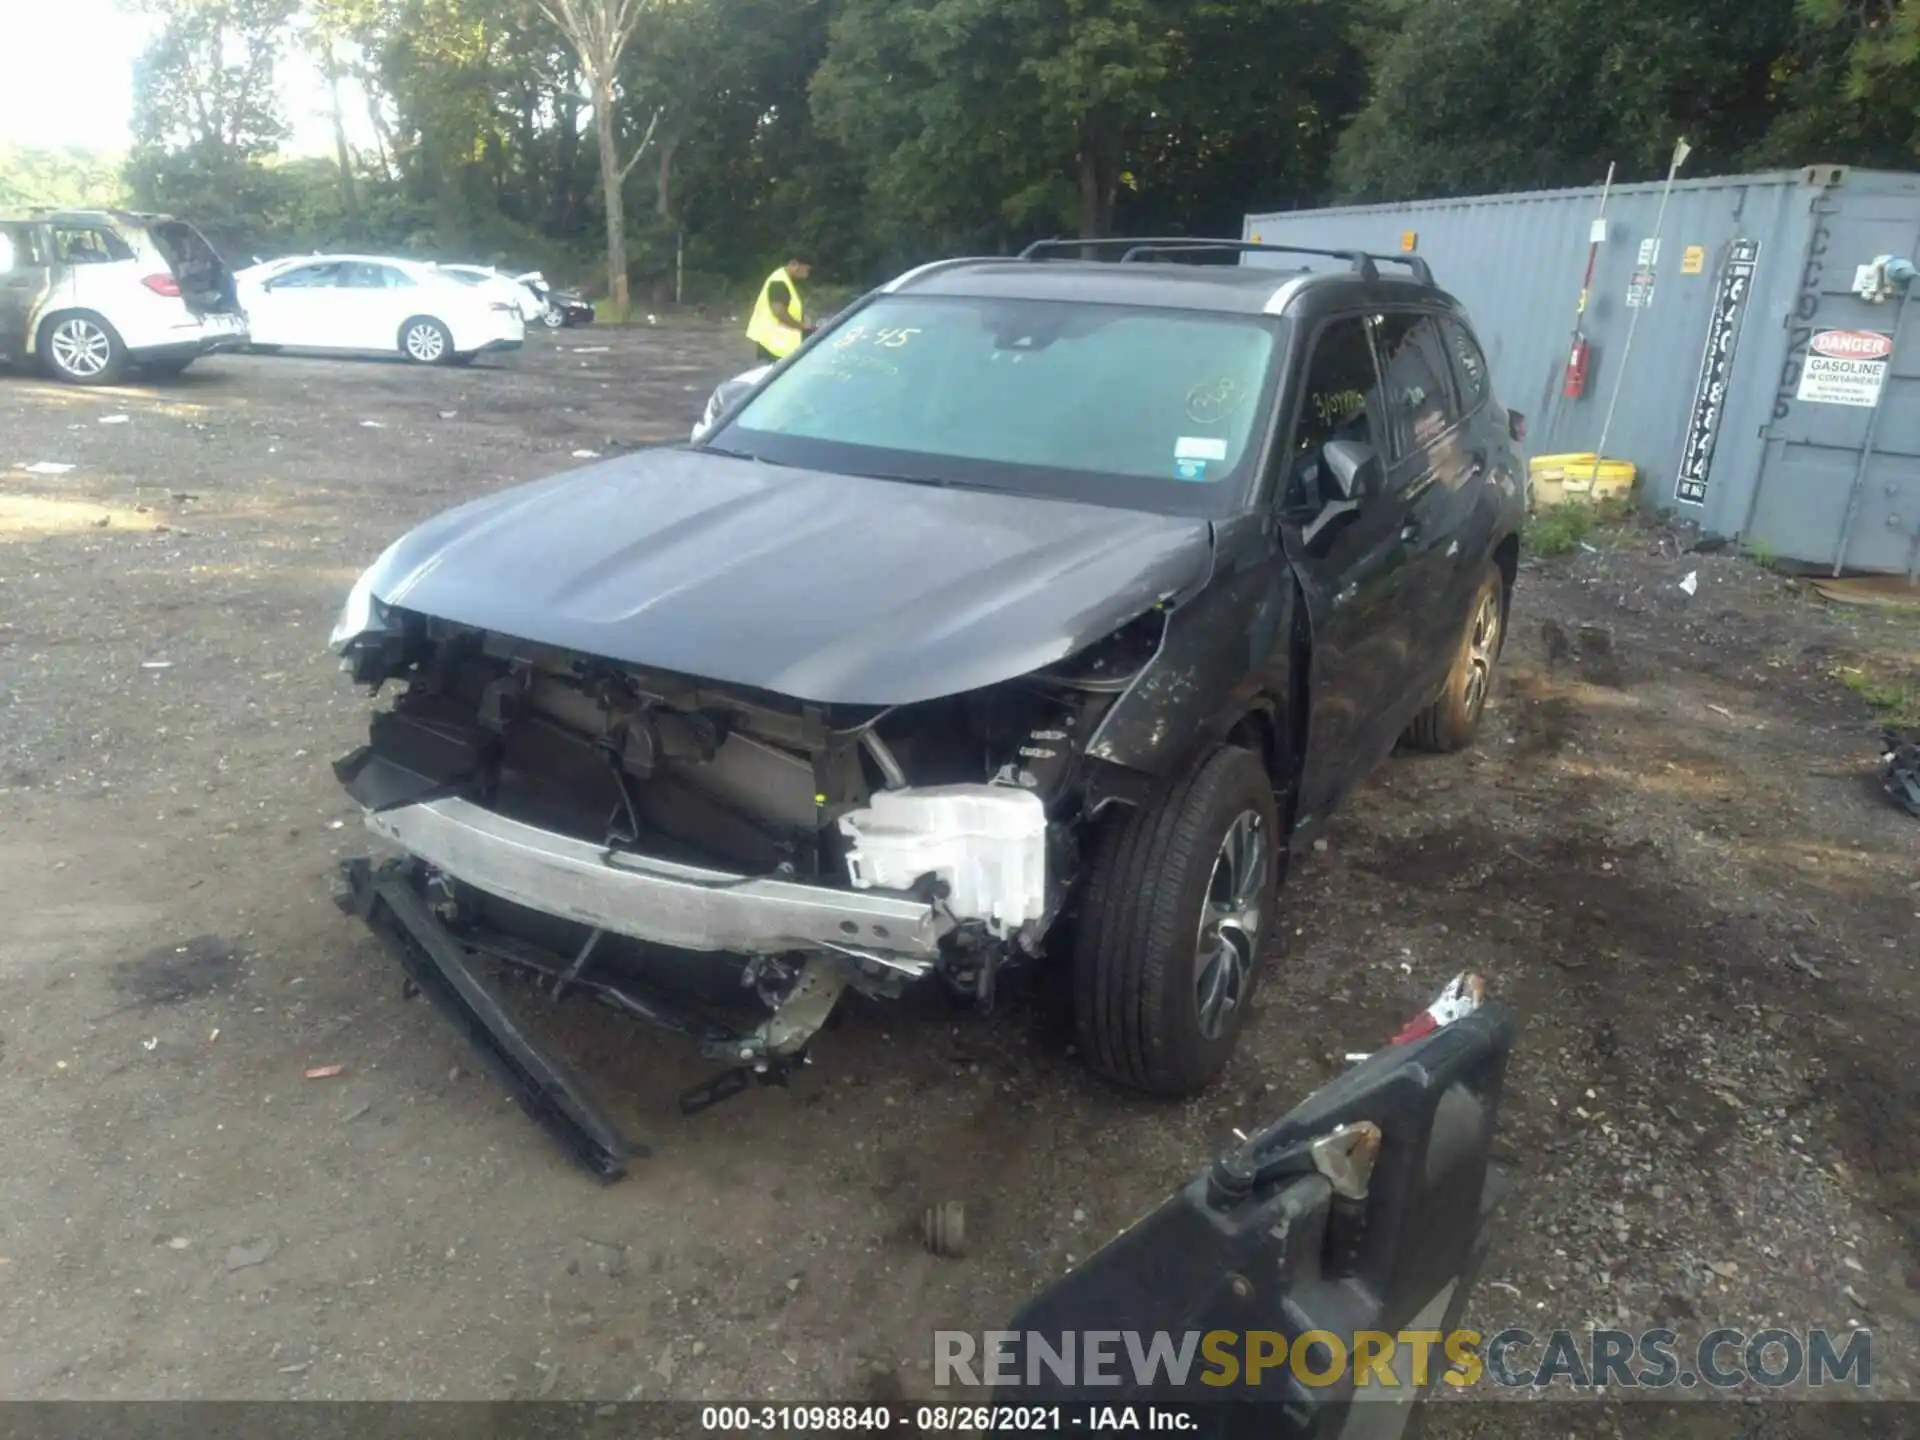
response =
{"points": [[662, 901]]}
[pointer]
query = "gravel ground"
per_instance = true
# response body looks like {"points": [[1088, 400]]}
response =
{"points": [[1665, 851]]}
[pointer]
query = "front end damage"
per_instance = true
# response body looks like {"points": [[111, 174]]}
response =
{"points": [[720, 862]]}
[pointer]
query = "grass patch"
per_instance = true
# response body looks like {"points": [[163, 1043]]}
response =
{"points": [[1559, 530], [1892, 694]]}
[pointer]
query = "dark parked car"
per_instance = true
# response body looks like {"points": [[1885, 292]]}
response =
{"points": [[564, 308], [1033, 612]]}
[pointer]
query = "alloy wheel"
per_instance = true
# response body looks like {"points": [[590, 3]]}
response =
{"points": [[1229, 938], [1483, 648], [80, 348], [426, 343]]}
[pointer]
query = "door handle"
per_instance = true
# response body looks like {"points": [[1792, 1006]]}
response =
{"points": [[1410, 531]]}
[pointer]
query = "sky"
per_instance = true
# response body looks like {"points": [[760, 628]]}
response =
{"points": [[47, 105]]}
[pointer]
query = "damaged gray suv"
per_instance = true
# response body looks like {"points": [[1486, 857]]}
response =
{"points": [[1031, 614]]}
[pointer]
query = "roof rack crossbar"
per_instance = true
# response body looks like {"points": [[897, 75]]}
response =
{"points": [[1364, 263]]}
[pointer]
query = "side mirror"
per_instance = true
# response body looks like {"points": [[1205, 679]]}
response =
{"points": [[1352, 471], [1353, 467]]}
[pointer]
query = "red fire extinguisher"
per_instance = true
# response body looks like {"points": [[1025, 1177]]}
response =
{"points": [[1576, 381]]}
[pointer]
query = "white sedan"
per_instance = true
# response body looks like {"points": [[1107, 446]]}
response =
{"points": [[358, 302], [509, 289]]}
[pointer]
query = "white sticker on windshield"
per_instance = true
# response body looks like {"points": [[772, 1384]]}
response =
{"points": [[1199, 447]]}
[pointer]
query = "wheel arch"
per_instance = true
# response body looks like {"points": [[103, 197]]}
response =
{"points": [[1507, 556], [53, 314], [400, 333]]}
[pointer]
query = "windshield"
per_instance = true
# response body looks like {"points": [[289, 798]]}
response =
{"points": [[1149, 409]]}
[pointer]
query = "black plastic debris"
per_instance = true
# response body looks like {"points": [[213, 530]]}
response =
{"points": [[1900, 767]]}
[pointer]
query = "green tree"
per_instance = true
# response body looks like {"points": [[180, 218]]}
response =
{"points": [[1479, 95], [206, 82], [206, 111], [70, 177], [600, 32], [1851, 86], [982, 120]]}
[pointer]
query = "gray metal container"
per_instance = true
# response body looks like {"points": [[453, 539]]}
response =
{"points": [[1759, 266]]}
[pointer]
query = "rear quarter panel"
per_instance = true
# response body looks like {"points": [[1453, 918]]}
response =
{"points": [[112, 289]]}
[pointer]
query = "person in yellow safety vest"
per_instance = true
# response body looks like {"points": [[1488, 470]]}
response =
{"points": [[778, 323]]}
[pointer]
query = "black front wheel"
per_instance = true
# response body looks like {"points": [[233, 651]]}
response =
{"points": [[1178, 905]]}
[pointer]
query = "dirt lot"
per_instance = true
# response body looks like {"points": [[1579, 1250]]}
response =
{"points": [[1663, 851]]}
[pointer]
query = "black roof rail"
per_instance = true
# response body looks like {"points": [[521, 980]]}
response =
{"points": [[1364, 263]]}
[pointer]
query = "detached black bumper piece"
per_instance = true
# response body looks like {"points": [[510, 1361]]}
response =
{"points": [[437, 964]]}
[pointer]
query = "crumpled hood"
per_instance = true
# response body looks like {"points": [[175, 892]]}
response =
{"points": [[820, 587]]}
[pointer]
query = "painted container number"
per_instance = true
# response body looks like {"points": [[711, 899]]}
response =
{"points": [[1716, 369]]}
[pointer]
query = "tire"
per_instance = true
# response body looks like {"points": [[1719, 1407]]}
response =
{"points": [[82, 349], [168, 365], [425, 341], [554, 319], [1451, 721], [1142, 944]]}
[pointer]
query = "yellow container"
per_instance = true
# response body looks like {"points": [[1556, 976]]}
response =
{"points": [[1576, 479]]}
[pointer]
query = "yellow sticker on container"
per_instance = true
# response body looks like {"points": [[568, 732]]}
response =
{"points": [[1693, 260], [1409, 239]]}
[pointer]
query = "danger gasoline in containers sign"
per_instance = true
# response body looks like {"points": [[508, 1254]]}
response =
{"points": [[1845, 367]]}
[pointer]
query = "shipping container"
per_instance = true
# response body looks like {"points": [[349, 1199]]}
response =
{"points": [[1761, 396]]}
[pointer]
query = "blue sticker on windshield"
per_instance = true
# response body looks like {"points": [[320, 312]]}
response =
{"points": [[1190, 469]]}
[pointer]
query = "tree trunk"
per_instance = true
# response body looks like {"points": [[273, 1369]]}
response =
{"points": [[663, 178], [349, 198], [566, 154], [1099, 181], [1092, 220], [610, 195], [382, 136]]}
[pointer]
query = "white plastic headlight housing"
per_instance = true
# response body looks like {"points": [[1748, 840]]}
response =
{"points": [[710, 414], [361, 613]]}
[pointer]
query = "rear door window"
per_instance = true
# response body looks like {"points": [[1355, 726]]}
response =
{"points": [[1469, 364], [308, 277], [364, 275], [88, 245], [1421, 406]]}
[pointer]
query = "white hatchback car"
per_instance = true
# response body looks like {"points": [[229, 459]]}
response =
{"points": [[88, 293], [375, 303]]}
